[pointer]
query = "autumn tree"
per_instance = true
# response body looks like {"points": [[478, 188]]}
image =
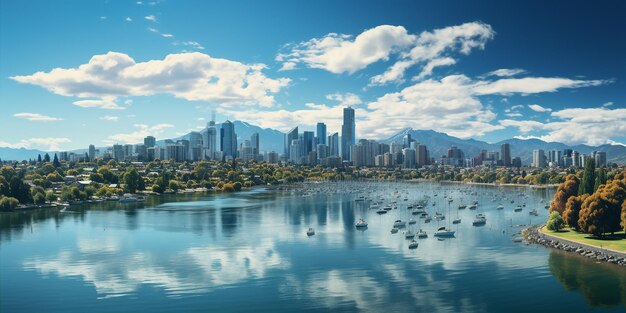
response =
{"points": [[600, 212], [572, 210], [565, 190]]}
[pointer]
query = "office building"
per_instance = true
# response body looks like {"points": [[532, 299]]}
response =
{"points": [[348, 132], [333, 144], [505, 154], [539, 158], [321, 133], [149, 141], [289, 138], [228, 141]]}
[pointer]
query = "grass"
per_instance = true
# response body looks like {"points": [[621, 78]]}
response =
{"points": [[615, 242]]}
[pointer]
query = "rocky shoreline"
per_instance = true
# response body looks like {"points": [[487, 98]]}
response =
{"points": [[533, 235]]}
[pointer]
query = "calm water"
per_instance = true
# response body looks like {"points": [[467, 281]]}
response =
{"points": [[249, 252]]}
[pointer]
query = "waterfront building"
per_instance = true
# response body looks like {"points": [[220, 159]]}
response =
{"points": [[539, 158], [505, 154], [289, 138], [228, 140], [348, 132]]}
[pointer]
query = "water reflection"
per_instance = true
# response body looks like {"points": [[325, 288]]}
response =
{"points": [[606, 287]]}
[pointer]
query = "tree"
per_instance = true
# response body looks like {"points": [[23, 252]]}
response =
{"points": [[600, 212], [8, 203], [51, 196], [20, 190], [39, 198], [56, 162], [565, 190], [228, 187], [131, 179], [46, 158], [589, 177], [555, 222], [572, 210], [39, 158]]}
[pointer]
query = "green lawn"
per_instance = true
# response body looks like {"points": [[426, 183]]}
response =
{"points": [[616, 242]]}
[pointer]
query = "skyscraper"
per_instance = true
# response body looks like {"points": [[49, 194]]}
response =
{"points": [[254, 140], [149, 141], [289, 137], [321, 134], [209, 139], [308, 142], [539, 158], [505, 154], [228, 140], [195, 146], [92, 152], [333, 144], [348, 130]]}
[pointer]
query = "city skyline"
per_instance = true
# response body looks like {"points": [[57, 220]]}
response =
{"points": [[462, 75]]}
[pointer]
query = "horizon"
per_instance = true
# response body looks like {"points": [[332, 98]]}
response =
{"points": [[159, 68]]}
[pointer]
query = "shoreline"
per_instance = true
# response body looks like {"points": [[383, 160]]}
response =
{"points": [[534, 235]]}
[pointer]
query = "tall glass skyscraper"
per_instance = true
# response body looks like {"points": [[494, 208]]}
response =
{"points": [[228, 140], [289, 137], [321, 134], [348, 132]]}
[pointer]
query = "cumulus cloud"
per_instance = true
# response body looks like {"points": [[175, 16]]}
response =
{"points": [[37, 117], [538, 108], [341, 53], [530, 85], [192, 76], [139, 134], [345, 99], [436, 49], [151, 18], [592, 126], [46, 144]]}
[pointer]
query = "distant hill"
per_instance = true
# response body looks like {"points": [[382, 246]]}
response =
{"points": [[438, 144]]}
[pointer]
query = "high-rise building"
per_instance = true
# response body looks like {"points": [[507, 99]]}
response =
{"points": [[539, 158], [308, 141], [92, 152], [247, 151], [421, 155], [600, 158], [195, 146], [254, 140], [142, 152], [322, 151], [333, 144], [408, 156], [348, 132], [118, 153], [505, 154], [209, 140], [228, 140], [407, 140], [321, 133], [149, 141], [575, 159], [289, 137], [295, 151]]}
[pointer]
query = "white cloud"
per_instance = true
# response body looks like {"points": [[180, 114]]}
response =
{"points": [[37, 117], [345, 99], [103, 18], [439, 45], [128, 19], [139, 134], [505, 72], [514, 114], [110, 118], [192, 44], [167, 35], [151, 18], [538, 108], [338, 53], [592, 126], [517, 106], [46, 144], [529, 85], [154, 30], [607, 104], [192, 76]]}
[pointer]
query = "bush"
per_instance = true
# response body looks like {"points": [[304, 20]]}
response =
{"points": [[555, 222], [8, 203], [228, 187], [237, 186]]}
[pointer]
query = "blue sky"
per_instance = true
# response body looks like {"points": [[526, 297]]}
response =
{"points": [[79, 72]]}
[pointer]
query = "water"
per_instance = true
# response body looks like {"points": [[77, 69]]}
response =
{"points": [[249, 252]]}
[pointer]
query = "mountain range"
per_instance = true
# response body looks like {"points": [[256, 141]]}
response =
{"points": [[437, 142]]}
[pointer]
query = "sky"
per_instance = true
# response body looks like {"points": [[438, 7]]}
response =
{"points": [[74, 73]]}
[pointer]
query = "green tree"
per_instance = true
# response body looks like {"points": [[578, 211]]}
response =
{"points": [[51, 196], [589, 177], [555, 222], [39, 198], [46, 158], [600, 178], [56, 162], [565, 190], [8, 203], [131, 179]]}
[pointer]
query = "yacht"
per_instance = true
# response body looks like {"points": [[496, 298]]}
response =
{"points": [[412, 221], [427, 219], [381, 211], [472, 207], [361, 223], [479, 220], [128, 199], [461, 207], [456, 220], [500, 207], [310, 232], [444, 232], [413, 244], [409, 234], [518, 208], [399, 224], [394, 230], [534, 212], [422, 234]]}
